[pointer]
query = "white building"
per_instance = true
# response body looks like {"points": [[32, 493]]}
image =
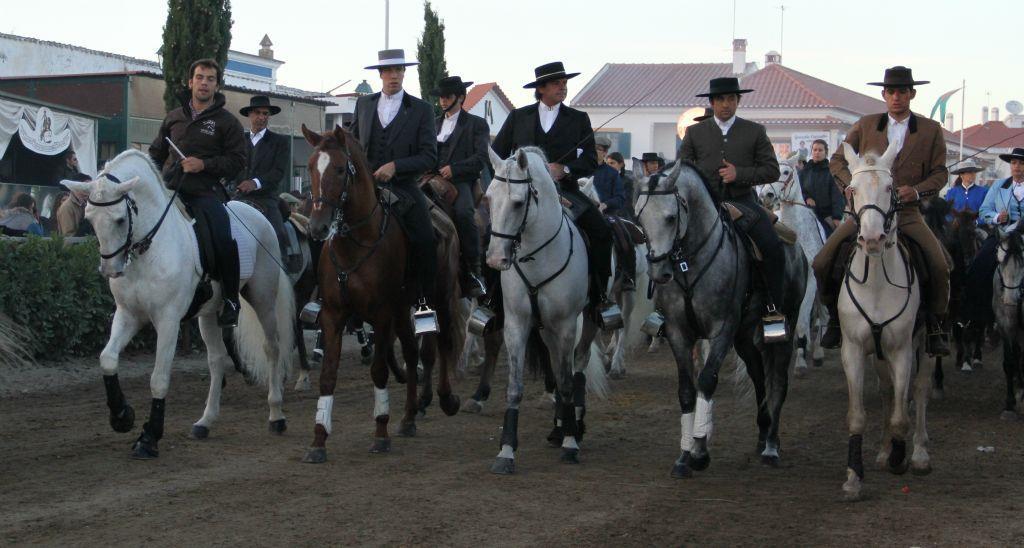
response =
{"points": [[490, 103]]}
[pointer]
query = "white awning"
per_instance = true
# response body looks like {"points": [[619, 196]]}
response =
{"points": [[48, 132]]}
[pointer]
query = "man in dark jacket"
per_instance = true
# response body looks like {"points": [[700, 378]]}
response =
{"points": [[735, 155], [213, 143], [265, 168], [820, 189], [611, 194], [462, 140], [567, 139], [397, 132]]}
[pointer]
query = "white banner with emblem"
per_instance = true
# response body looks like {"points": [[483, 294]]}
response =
{"points": [[49, 133]]}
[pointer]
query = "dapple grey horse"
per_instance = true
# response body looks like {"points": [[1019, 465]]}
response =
{"points": [[1008, 294], [705, 289]]}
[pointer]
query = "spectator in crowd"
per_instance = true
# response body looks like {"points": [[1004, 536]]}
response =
{"points": [[820, 190], [618, 163], [653, 162], [965, 194], [607, 181], [20, 218], [71, 215], [291, 201], [70, 165]]}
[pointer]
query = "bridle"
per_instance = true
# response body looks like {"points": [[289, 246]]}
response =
{"points": [[130, 248], [888, 217], [531, 195]]}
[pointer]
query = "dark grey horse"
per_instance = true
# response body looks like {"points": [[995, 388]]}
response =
{"points": [[705, 289], [1007, 297]]}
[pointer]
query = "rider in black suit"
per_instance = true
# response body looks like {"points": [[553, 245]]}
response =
{"points": [[567, 139], [397, 132], [462, 140]]}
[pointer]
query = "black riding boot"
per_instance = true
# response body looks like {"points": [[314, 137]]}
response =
{"points": [[936, 343], [473, 281], [833, 336]]}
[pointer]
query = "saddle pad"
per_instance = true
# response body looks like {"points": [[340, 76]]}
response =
{"points": [[246, 248]]}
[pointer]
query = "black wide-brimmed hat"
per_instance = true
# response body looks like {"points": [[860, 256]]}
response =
{"points": [[259, 101], [451, 85], [549, 72], [724, 86], [391, 58], [898, 77], [708, 113], [650, 157], [1017, 154]]}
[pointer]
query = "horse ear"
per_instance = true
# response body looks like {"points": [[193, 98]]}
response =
{"points": [[495, 159], [890, 155], [78, 186], [312, 138], [128, 185], [339, 134], [522, 160], [638, 169], [851, 157]]}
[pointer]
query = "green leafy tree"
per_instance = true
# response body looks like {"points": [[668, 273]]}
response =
{"points": [[195, 29], [430, 53]]}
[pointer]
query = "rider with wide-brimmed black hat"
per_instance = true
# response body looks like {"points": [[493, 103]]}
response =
{"points": [[462, 141]]}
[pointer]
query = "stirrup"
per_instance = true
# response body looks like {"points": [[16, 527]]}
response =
{"points": [[774, 326], [481, 320], [654, 325], [310, 314], [475, 287], [424, 319], [609, 316]]}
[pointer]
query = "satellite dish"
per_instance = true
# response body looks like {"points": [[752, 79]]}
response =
{"points": [[1014, 107]]}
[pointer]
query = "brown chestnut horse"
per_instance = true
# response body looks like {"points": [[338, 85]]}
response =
{"points": [[362, 272]]}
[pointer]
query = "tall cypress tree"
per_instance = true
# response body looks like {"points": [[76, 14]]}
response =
{"points": [[430, 54], [195, 29]]}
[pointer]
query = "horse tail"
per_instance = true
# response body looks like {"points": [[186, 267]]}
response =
{"points": [[14, 344], [252, 343], [460, 318], [741, 383], [597, 379], [642, 306]]}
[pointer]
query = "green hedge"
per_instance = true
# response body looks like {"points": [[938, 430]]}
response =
{"points": [[56, 292]]}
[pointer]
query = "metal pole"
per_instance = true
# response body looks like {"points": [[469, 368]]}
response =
{"points": [[782, 26], [963, 101], [733, 19], [387, 22]]}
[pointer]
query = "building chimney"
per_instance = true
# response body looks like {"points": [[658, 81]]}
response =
{"points": [[265, 51], [995, 114], [984, 115], [949, 121], [772, 58], [739, 56]]}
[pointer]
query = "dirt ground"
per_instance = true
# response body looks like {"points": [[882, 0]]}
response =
{"points": [[66, 479]]}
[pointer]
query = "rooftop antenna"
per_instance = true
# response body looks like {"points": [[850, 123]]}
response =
{"points": [[782, 26], [387, 22], [733, 19]]}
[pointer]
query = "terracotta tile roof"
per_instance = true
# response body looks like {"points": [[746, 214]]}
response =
{"points": [[776, 86], [477, 92], [823, 121], [673, 84], [992, 134]]}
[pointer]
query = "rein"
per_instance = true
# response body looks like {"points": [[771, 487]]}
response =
{"points": [[130, 248]]}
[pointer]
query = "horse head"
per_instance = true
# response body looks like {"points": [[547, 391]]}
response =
{"points": [[875, 200], [773, 194], [1011, 264], [112, 213], [519, 191], [664, 214], [336, 167]]}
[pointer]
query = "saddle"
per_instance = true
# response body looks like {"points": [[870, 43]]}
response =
{"points": [[625, 235], [737, 213], [908, 247], [440, 191]]}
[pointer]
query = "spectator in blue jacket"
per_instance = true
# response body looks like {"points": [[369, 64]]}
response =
{"points": [[607, 182], [965, 194], [21, 217]]}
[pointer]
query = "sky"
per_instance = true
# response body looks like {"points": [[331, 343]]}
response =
{"points": [[326, 43]]}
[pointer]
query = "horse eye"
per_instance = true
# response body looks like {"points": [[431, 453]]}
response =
{"points": [[120, 221], [671, 219], [517, 204]]}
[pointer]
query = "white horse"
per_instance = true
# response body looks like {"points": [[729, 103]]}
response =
{"points": [[878, 304], [634, 304], [786, 198], [544, 281], [151, 257]]}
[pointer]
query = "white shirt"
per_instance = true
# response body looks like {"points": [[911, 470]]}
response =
{"points": [[547, 115], [448, 126], [255, 138], [1018, 190], [388, 105], [726, 125], [896, 132]]}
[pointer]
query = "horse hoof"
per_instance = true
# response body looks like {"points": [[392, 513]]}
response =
{"points": [[143, 450], [938, 394], [555, 438], [381, 445], [504, 466], [303, 384], [770, 460], [123, 421], [278, 426], [700, 462], [800, 372], [250, 379], [617, 374], [450, 404], [472, 406], [570, 456], [199, 432], [1008, 415], [818, 362], [681, 468], [315, 455], [899, 468], [977, 363], [921, 470], [407, 430], [546, 402]]}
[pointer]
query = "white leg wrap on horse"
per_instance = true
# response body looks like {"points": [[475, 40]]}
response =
{"points": [[381, 402], [570, 443], [579, 413], [506, 452], [323, 412], [702, 425], [686, 432]]}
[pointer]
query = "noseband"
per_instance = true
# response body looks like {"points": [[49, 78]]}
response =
{"points": [[130, 248]]}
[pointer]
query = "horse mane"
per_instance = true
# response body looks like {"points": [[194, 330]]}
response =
{"points": [[535, 150], [135, 154], [354, 150]]}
